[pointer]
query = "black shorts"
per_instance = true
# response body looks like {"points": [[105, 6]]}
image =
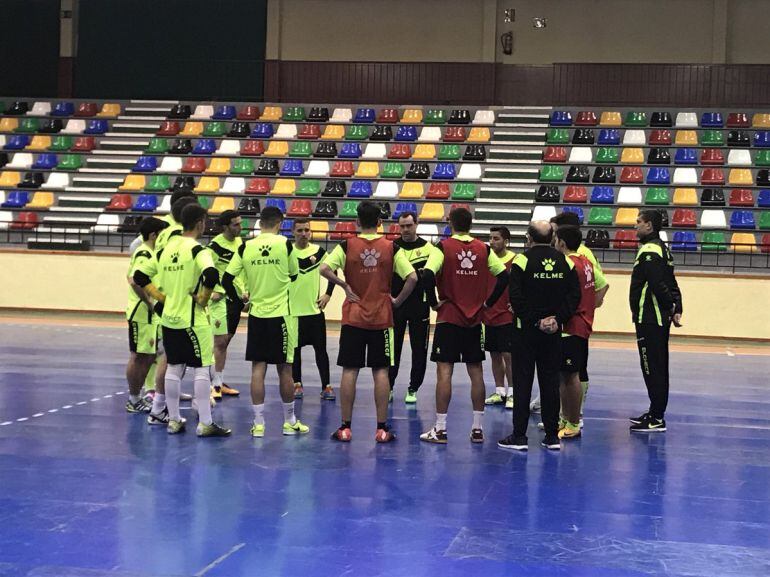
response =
{"points": [[574, 352], [365, 348], [497, 339], [233, 316], [312, 330], [192, 347], [584, 367], [271, 340], [456, 344]]}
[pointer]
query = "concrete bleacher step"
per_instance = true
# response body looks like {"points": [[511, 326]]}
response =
{"points": [[108, 164], [80, 221], [60, 243], [122, 146], [506, 194], [510, 174], [532, 137], [94, 182], [495, 215], [499, 155], [90, 201], [522, 120], [133, 128]]}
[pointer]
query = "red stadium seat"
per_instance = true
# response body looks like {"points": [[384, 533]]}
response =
{"points": [[119, 202], [400, 151], [387, 116], [194, 165], [684, 217], [258, 186], [393, 232], [712, 156], [343, 230], [631, 174], [253, 148], [84, 143], [454, 134], [586, 118], [86, 109], [438, 191], [342, 168], [575, 194], [738, 120], [310, 132], [625, 239], [741, 197], [168, 128], [25, 221], [555, 154], [712, 176], [764, 243], [660, 138], [248, 113], [299, 208]]}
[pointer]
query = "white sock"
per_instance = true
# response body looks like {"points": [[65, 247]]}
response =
{"points": [[441, 421], [158, 403], [500, 391], [217, 382], [259, 414], [202, 388], [133, 398], [174, 374], [478, 416], [288, 413]]}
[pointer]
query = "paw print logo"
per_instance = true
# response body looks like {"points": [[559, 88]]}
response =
{"points": [[264, 250], [174, 258], [466, 258], [370, 257], [589, 272], [548, 264]]}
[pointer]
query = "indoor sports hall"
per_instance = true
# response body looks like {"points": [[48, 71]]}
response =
{"points": [[513, 112]]}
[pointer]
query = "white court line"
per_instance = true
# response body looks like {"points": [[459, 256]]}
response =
{"points": [[64, 407], [36, 415], [53, 410], [22, 419], [6, 423]]}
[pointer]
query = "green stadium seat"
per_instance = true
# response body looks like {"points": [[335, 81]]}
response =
{"points": [[551, 173], [712, 138], [434, 116], [70, 162], [607, 155], [557, 136], [27, 126], [393, 170], [357, 132], [242, 166], [764, 220], [301, 149], [635, 119], [309, 187], [61, 144], [762, 158], [158, 183], [216, 129], [294, 114], [657, 196], [464, 191], [157, 146], [600, 215], [449, 152], [349, 209], [713, 240]]}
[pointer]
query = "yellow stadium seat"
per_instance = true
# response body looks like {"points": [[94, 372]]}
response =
{"points": [[132, 182], [320, 229], [761, 120], [41, 200], [411, 190], [208, 184], [686, 137], [192, 129], [221, 204], [432, 211], [746, 239], [479, 134], [8, 178], [39, 142], [740, 176], [368, 170], [284, 186], [632, 156], [219, 166], [610, 118], [8, 124], [424, 151], [412, 116], [271, 113], [685, 197], [333, 132], [277, 148], [109, 109], [626, 216]]}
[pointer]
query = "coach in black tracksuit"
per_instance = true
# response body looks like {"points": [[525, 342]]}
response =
{"points": [[544, 293], [656, 302]]}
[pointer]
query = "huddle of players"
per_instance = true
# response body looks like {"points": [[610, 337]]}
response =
{"points": [[197, 296]]}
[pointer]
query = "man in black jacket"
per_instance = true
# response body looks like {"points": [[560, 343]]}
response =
{"points": [[655, 302], [544, 293]]}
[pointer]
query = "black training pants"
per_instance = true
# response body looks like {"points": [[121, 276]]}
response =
{"points": [[419, 333], [532, 349], [311, 330], [652, 341]]}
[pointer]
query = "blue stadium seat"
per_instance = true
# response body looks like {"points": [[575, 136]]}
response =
{"points": [[364, 115], [763, 198], [278, 203], [286, 226], [351, 150], [146, 164], [224, 112], [609, 136], [444, 171], [63, 109], [447, 232], [742, 220], [292, 167], [576, 210], [16, 199], [658, 175], [45, 162], [360, 189], [146, 203], [686, 156], [96, 127], [263, 130], [684, 240], [762, 139], [17, 142], [205, 146], [602, 195], [404, 207], [561, 118], [711, 120], [406, 134]]}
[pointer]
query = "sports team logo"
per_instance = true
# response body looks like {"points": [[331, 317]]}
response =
{"points": [[174, 258], [466, 258], [264, 250], [370, 257], [548, 264], [589, 272]]}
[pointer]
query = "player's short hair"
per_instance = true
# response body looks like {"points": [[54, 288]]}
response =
{"points": [[192, 214], [571, 236], [407, 214], [503, 230], [151, 225], [180, 193], [301, 220], [270, 216], [226, 217], [566, 218], [539, 237], [369, 214], [654, 217], [461, 219], [179, 205]]}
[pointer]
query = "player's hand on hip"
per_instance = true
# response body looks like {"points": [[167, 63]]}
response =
{"points": [[322, 301], [677, 320]]}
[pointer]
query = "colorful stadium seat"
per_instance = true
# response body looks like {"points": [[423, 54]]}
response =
{"points": [[709, 156], [411, 190], [713, 218], [194, 165], [602, 195], [344, 115], [763, 224], [475, 152], [393, 170], [762, 139], [218, 166], [607, 155], [738, 120], [63, 109], [271, 114], [561, 118], [741, 197], [738, 138], [632, 174], [119, 202], [657, 175], [449, 152], [659, 156], [325, 150], [577, 210], [634, 138], [685, 197], [763, 198], [146, 164], [635, 119], [364, 116], [661, 119], [248, 112], [400, 151], [459, 116], [61, 144], [168, 128], [712, 176], [580, 154], [742, 219], [464, 191], [629, 195], [712, 197], [575, 194], [656, 196], [600, 215], [609, 137], [387, 116], [743, 242], [740, 176], [761, 120], [684, 218], [294, 114], [145, 203], [610, 118], [342, 168], [435, 116], [686, 120], [660, 138], [632, 156], [586, 118], [439, 191], [360, 189], [547, 194], [205, 146], [263, 130], [583, 136], [684, 241], [351, 150]]}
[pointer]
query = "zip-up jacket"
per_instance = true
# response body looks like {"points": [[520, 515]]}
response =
{"points": [[654, 296]]}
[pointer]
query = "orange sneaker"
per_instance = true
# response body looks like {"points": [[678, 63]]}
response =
{"points": [[228, 391], [342, 435], [384, 436]]}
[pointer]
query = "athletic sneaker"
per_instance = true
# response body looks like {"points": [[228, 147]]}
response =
{"points": [[560, 425], [175, 427], [512, 443], [158, 418], [509, 402], [149, 396], [534, 406], [296, 429], [384, 436], [228, 391], [140, 406], [569, 431], [649, 425], [212, 430], [342, 434], [258, 430], [327, 394], [434, 436], [551, 442], [390, 396], [299, 392], [216, 393], [185, 397], [639, 419], [494, 399], [477, 436], [411, 397]]}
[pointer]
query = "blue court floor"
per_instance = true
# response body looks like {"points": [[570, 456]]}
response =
{"points": [[87, 490]]}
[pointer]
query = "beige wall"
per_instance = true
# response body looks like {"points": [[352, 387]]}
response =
{"points": [[714, 306], [688, 31]]}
